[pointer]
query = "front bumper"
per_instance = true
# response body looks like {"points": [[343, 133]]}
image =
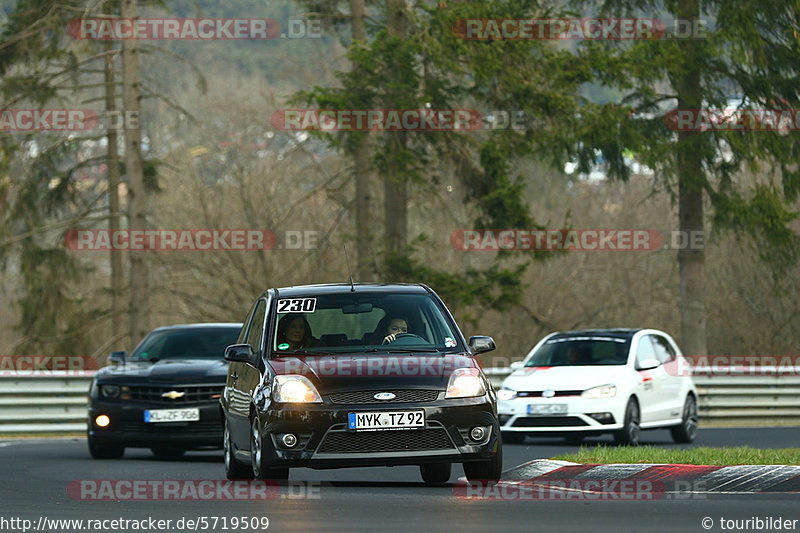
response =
{"points": [[324, 440], [582, 415], [128, 428]]}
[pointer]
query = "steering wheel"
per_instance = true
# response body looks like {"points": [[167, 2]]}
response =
{"points": [[408, 336]]}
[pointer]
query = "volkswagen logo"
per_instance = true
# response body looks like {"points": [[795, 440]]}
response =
{"points": [[173, 395], [384, 396], [548, 393]]}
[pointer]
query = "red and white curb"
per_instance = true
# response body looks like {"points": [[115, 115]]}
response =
{"points": [[698, 479]]}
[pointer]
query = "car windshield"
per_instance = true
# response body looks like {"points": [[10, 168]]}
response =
{"points": [[581, 351], [195, 343], [363, 322]]}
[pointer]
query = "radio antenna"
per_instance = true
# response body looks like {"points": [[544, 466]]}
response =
{"points": [[352, 286]]}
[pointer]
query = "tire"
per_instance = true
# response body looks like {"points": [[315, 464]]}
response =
{"points": [[512, 437], [486, 471], [261, 469], [575, 439], [233, 468], [629, 434], [100, 450], [168, 453], [687, 430], [435, 474]]}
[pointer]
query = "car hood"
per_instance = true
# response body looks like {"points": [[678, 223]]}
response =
{"points": [[374, 371], [564, 377], [173, 371]]}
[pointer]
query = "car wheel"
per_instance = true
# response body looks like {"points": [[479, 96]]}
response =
{"points": [[100, 450], [512, 437], [687, 430], [261, 470], [436, 473], [486, 471], [233, 468], [168, 453], [629, 434], [575, 439]]}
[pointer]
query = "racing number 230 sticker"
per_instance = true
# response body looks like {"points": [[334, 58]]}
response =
{"points": [[297, 305]]}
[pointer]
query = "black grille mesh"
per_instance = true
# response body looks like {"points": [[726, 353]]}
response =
{"points": [[548, 421], [401, 396], [191, 395], [385, 441]]}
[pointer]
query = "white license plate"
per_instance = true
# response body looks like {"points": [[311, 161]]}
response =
{"points": [[547, 409], [172, 415], [386, 420]]}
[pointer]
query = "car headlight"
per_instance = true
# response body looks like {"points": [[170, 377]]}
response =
{"points": [[110, 392], [603, 391], [505, 394], [295, 389], [465, 383]]}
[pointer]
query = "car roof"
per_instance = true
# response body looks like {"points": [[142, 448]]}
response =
{"points": [[344, 288], [177, 327], [617, 332]]}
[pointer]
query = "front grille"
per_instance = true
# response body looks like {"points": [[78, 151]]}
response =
{"points": [[401, 396], [548, 421], [385, 441], [558, 393], [191, 395]]}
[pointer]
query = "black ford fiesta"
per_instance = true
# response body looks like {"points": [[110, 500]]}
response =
{"points": [[330, 376], [164, 396]]}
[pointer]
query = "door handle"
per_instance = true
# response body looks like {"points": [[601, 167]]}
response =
{"points": [[234, 377]]}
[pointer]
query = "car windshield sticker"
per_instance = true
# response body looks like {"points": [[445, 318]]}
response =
{"points": [[297, 305], [283, 346], [449, 343]]}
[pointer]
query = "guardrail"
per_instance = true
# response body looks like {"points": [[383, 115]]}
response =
{"points": [[55, 403]]}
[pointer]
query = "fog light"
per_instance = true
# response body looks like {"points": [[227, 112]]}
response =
{"points": [[289, 440], [477, 433], [102, 421], [603, 418]]}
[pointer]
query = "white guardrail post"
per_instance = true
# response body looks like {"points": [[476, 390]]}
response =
{"points": [[55, 402]]}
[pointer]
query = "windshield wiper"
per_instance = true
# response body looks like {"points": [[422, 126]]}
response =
{"points": [[306, 351]]}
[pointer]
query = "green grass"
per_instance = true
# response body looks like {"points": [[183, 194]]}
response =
{"points": [[742, 455]]}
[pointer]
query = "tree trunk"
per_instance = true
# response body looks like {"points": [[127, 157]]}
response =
{"points": [[366, 268], [690, 197], [137, 215], [395, 187], [117, 331]]}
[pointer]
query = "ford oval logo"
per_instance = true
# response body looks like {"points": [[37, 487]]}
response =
{"points": [[384, 396], [548, 393]]}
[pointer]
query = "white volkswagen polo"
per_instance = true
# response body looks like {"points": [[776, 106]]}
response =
{"points": [[580, 383]]}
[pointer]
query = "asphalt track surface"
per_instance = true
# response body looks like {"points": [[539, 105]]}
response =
{"points": [[35, 475]]}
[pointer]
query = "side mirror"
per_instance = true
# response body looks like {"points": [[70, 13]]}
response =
{"points": [[242, 353], [647, 364], [117, 358], [481, 343], [516, 365]]}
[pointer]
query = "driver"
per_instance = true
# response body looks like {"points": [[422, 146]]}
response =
{"points": [[397, 326]]}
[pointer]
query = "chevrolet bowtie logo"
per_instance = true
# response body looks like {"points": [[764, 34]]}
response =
{"points": [[173, 395]]}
